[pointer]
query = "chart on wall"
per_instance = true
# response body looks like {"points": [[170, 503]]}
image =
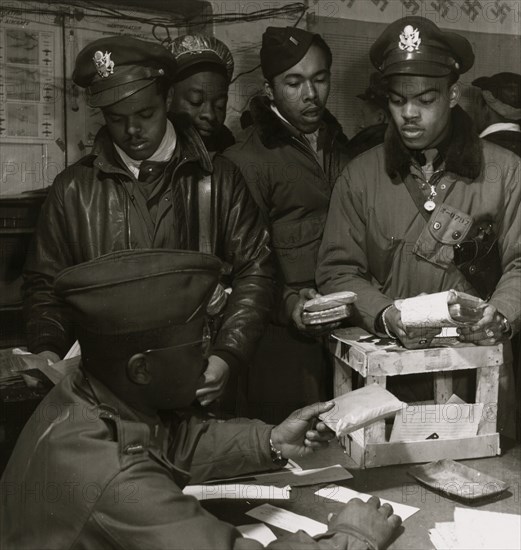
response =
{"points": [[27, 89], [31, 103]]}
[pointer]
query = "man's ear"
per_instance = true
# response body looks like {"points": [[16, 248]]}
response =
{"points": [[454, 94], [268, 90], [138, 370]]}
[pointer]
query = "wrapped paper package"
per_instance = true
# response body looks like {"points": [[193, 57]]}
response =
{"points": [[443, 309], [359, 408], [328, 309]]}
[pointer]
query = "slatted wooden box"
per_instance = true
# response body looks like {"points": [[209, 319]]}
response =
{"points": [[375, 363]]}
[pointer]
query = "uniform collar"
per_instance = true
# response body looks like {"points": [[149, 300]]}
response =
{"points": [[461, 150], [162, 154], [275, 131], [500, 127], [188, 141]]}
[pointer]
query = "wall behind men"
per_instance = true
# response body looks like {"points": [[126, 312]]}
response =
{"points": [[350, 27], [45, 124]]}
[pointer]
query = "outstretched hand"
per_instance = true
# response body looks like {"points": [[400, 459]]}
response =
{"points": [[306, 294], [375, 523], [410, 338], [487, 331], [302, 433], [215, 378]]}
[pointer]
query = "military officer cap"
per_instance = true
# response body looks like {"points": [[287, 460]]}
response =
{"points": [[191, 50], [113, 68], [502, 93], [416, 46], [137, 291], [284, 47]]}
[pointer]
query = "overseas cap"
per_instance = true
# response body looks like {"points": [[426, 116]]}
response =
{"points": [[502, 92], [284, 47], [115, 67], [416, 46], [195, 49], [135, 291]]}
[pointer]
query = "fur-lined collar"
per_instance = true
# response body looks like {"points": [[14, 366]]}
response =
{"points": [[273, 132], [464, 155]]}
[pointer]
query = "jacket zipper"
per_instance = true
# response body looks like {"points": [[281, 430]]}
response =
{"points": [[309, 153]]}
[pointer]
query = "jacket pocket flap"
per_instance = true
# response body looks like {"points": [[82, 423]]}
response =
{"points": [[448, 225], [297, 233]]}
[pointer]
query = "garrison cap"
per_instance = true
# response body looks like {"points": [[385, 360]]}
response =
{"points": [[195, 49], [417, 46], [113, 68], [135, 291], [502, 92], [284, 47]]}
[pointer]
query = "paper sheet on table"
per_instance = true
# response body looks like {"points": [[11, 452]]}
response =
{"points": [[237, 491], [343, 494], [289, 521], [487, 530], [448, 421], [295, 477], [257, 531], [479, 530]]}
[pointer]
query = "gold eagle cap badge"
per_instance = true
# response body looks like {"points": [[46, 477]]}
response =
{"points": [[410, 39], [104, 65]]}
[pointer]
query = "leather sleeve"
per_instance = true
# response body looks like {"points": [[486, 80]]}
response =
{"points": [[47, 324], [242, 240]]}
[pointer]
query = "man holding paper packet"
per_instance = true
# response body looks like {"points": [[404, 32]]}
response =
{"points": [[103, 461], [434, 208]]}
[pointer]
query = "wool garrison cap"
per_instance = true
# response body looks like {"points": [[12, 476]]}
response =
{"points": [[196, 49], [284, 47], [135, 291], [416, 46], [502, 92], [113, 68]]}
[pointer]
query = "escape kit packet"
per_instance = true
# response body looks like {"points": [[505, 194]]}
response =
{"points": [[329, 308], [442, 309], [359, 408]]}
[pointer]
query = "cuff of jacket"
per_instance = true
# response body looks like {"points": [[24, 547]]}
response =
{"points": [[371, 314], [47, 342], [290, 301], [229, 358], [509, 309]]}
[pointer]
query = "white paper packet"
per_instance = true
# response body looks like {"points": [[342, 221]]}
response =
{"points": [[359, 408]]}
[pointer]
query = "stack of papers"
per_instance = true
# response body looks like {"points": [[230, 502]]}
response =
{"points": [[478, 530], [237, 491], [343, 494]]}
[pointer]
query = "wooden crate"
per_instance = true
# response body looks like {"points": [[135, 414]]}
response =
{"points": [[375, 363]]}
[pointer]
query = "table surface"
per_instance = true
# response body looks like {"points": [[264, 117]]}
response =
{"points": [[392, 483]]}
